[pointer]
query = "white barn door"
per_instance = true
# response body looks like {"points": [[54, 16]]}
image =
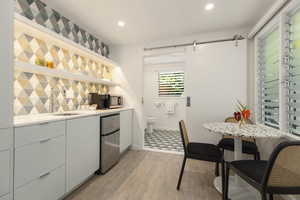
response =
{"points": [[215, 78]]}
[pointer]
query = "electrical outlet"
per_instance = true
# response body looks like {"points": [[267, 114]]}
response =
{"points": [[69, 94]]}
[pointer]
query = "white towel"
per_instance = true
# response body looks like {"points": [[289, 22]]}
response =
{"points": [[169, 107]]}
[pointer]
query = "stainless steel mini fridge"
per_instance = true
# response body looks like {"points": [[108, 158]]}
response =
{"points": [[109, 141]]}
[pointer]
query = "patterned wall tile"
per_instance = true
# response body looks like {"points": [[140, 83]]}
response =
{"points": [[42, 14], [33, 91], [28, 49]]}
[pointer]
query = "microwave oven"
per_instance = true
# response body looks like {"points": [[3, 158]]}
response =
{"points": [[115, 101]]}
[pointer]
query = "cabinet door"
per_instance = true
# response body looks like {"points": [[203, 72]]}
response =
{"points": [[83, 138], [4, 172], [7, 62], [48, 187], [5, 145], [34, 133], [5, 139], [6, 197], [35, 160], [125, 129]]}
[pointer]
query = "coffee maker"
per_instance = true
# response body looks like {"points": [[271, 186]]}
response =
{"points": [[102, 100]]}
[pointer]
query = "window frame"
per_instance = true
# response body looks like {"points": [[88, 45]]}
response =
{"points": [[265, 34], [279, 19], [164, 70]]}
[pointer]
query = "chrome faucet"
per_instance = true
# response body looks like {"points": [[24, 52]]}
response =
{"points": [[52, 104]]}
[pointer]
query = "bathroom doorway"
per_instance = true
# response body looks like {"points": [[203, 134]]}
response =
{"points": [[163, 110]]}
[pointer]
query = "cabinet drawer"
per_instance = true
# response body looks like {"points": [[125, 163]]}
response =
{"points": [[4, 139], [34, 160], [6, 197], [48, 187], [30, 134], [4, 172]]}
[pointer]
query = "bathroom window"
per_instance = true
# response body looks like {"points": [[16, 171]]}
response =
{"points": [[171, 84]]}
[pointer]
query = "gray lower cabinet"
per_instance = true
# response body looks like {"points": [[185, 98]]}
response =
{"points": [[4, 162], [39, 169], [7, 97], [125, 129], [82, 156], [6, 197]]}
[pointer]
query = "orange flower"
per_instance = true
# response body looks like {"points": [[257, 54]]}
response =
{"points": [[244, 109]]}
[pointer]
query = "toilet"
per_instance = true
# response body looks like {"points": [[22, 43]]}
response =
{"points": [[150, 122]]}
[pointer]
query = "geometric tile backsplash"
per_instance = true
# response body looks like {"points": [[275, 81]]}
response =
{"points": [[28, 48], [32, 91], [43, 15]]}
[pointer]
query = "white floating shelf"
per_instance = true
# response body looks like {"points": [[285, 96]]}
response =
{"points": [[27, 67], [27, 26]]}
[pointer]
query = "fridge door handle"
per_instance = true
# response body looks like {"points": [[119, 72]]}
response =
{"points": [[109, 133]]}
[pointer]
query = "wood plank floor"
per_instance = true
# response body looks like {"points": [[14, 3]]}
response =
{"points": [[146, 175]]}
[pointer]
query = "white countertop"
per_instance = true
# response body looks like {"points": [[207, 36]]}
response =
{"points": [[24, 120]]}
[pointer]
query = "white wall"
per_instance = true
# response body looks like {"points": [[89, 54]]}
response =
{"points": [[130, 58], [163, 120]]}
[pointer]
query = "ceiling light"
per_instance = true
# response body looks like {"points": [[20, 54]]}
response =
{"points": [[120, 23], [209, 6]]}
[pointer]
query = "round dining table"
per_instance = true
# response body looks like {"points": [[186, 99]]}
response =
{"points": [[237, 189]]}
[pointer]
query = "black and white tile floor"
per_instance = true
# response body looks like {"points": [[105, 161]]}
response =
{"points": [[165, 140]]}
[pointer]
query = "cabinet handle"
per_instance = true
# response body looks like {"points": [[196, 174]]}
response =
{"points": [[45, 174], [45, 140]]}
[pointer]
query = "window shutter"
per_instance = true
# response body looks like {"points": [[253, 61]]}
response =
{"points": [[292, 63], [171, 84], [268, 77]]}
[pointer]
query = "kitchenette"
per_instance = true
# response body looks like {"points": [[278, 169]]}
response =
{"points": [[57, 152], [69, 124]]}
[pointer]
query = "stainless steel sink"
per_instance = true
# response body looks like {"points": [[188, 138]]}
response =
{"points": [[65, 114]]}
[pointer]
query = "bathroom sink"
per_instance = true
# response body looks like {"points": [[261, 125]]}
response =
{"points": [[65, 114]]}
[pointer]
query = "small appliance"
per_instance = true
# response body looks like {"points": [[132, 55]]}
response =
{"points": [[102, 100], [115, 101], [105, 101]]}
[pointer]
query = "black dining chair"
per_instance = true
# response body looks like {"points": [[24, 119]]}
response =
{"points": [[248, 144], [199, 151], [279, 175]]}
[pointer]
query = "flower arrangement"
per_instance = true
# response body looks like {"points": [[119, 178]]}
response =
{"points": [[242, 112]]}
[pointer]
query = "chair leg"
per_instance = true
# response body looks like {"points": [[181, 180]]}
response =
{"points": [[223, 178], [181, 173], [263, 196], [225, 191], [217, 169], [258, 156], [270, 196], [217, 166]]}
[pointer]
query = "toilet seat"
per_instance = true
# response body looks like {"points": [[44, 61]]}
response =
{"points": [[151, 120]]}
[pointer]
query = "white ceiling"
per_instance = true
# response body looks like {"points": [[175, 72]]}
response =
{"points": [[151, 20]]}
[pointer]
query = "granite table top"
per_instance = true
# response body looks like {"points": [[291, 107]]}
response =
{"points": [[245, 130]]}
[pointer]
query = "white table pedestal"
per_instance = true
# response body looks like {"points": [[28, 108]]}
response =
{"points": [[238, 155], [242, 192], [237, 189]]}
